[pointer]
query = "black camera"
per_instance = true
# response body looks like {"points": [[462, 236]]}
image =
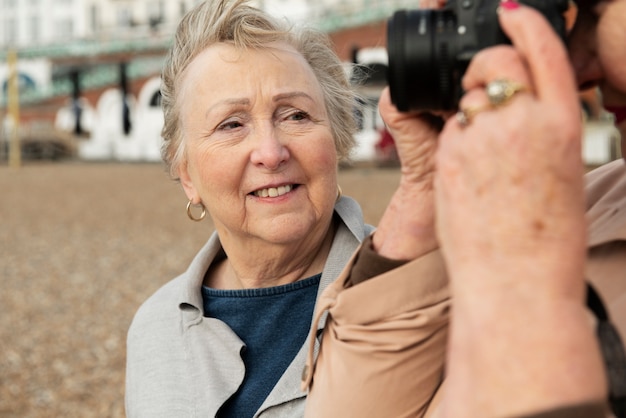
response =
{"points": [[430, 50]]}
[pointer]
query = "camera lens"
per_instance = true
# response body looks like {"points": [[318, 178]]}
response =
{"points": [[422, 55]]}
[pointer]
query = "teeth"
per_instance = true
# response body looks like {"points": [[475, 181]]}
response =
{"points": [[273, 191]]}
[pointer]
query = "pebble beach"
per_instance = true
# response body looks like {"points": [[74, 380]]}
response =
{"points": [[81, 246]]}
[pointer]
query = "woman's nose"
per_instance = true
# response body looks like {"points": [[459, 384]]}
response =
{"points": [[269, 150]]}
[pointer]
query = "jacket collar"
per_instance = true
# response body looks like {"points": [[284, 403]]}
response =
{"points": [[223, 357], [350, 233]]}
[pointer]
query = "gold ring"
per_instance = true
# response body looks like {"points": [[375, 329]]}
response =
{"points": [[464, 115], [500, 91]]}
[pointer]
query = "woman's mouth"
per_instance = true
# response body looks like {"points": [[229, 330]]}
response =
{"points": [[273, 191]]}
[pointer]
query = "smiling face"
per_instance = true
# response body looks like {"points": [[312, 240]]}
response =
{"points": [[259, 153]]}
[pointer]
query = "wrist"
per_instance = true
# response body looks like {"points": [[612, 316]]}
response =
{"points": [[407, 228], [541, 335]]}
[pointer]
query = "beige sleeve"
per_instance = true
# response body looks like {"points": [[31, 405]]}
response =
{"points": [[368, 263], [383, 346]]}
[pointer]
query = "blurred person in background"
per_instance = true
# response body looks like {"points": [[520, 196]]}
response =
{"points": [[521, 231]]}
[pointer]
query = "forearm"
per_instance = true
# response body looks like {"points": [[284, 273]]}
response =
{"points": [[406, 232], [407, 228], [519, 346]]}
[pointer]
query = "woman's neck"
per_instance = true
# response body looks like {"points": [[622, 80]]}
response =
{"points": [[273, 265]]}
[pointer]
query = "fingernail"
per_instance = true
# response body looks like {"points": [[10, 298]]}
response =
{"points": [[509, 4]]}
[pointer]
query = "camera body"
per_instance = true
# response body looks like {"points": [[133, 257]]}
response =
{"points": [[430, 50]]}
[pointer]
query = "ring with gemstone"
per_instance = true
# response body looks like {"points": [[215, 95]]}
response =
{"points": [[500, 91]]}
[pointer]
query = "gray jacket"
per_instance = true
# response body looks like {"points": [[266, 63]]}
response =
{"points": [[181, 364]]}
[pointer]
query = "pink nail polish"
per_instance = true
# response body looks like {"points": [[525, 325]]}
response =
{"points": [[509, 4]]}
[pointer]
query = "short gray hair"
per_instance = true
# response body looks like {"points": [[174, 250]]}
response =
{"points": [[244, 26]]}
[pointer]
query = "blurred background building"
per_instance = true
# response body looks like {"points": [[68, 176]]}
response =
{"points": [[87, 71]]}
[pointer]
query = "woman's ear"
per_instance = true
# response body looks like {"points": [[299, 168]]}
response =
{"points": [[187, 183]]}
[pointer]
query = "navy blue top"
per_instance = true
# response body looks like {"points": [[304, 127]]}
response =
{"points": [[273, 323]]}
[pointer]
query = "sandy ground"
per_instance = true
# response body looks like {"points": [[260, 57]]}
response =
{"points": [[81, 246]]}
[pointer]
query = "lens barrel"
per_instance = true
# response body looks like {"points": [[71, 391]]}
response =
{"points": [[422, 53]]}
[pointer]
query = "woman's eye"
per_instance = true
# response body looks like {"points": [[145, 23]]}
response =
{"points": [[228, 125], [299, 115]]}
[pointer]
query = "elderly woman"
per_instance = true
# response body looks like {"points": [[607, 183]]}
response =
{"points": [[257, 118], [509, 204]]}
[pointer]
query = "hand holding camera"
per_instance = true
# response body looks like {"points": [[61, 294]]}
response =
{"points": [[430, 50]]}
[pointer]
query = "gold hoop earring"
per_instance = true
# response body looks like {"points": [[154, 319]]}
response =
{"points": [[190, 215], [339, 193]]}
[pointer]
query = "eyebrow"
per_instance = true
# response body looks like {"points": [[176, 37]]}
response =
{"points": [[227, 102], [292, 95], [245, 102]]}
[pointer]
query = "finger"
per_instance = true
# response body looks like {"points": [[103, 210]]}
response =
{"points": [[388, 111], [474, 104], [474, 98], [502, 61], [406, 123], [544, 52]]}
